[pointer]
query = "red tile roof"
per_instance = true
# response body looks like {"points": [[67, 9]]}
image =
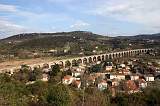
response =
{"points": [[67, 77], [131, 85]]}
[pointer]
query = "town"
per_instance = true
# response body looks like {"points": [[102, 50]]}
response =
{"points": [[79, 53], [128, 74], [117, 74]]}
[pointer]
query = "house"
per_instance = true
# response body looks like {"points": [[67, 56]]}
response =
{"points": [[102, 75], [134, 77], [102, 85], [142, 83], [91, 80], [130, 62], [117, 76], [131, 87], [124, 71], [109, 68], [115, 83], [76, 74], [46, 70], [122, 65], [44, 77], [128, 68], [77, 71], [77, 83], [67, 79], [81, 69], [149, 77]]}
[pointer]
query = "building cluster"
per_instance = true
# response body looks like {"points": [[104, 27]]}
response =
{"points": [[116, 78]]}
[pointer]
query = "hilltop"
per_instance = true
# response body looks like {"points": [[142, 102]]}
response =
{"points": [[75, 40], [30, 36]]}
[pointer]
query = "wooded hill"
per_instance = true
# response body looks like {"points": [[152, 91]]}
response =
{"points": [[77, 41]]}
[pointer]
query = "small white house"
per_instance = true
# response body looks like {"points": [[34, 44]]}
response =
{"points": [[44, 77], [108, 68], [115, 82], [117, 76], [46, 70], [149, 78], [76, 74], [134, 77], [125, 72], [80, 69], [122, 65]]}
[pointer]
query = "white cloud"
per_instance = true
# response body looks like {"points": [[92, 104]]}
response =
{"points": [[79, 25], [8, 28], [144, 12], [7, 8]]}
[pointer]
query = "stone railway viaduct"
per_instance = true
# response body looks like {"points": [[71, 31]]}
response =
{"points": [[83, 60]]}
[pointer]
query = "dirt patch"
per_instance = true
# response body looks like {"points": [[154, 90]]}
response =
{"points": [[15, 63]]}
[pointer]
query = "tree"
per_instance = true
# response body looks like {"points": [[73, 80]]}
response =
{"points": [[35, 74], [32, 76], [96, 68], [151, 96], [22, 75], [121, 100], [58, 95], [55, 70], [13, 93], [37, 88], [94, 97], [4, 78]]}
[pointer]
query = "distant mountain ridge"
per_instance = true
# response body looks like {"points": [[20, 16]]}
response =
{"points": [[84, 34], [142, 36], [30, 36]]}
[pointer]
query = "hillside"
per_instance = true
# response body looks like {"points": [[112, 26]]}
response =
{"points": [[76, 41], [142, 37], [30, 36], [44, 41]]}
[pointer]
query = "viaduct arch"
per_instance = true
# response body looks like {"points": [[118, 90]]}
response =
{"points": [[83, 60]]}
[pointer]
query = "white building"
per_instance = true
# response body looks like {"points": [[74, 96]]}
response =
{"points": [[115, 82], [149, 78], [44, 77], [122, 65], [108, 68], [134, 77], [117, 76], [76, 74]]}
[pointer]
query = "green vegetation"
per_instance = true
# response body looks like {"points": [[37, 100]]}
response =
{"points": [[149, 97], [14, 93], [56, 96]]}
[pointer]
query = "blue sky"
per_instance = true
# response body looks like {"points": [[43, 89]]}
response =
{"points": [[107, 17]]}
